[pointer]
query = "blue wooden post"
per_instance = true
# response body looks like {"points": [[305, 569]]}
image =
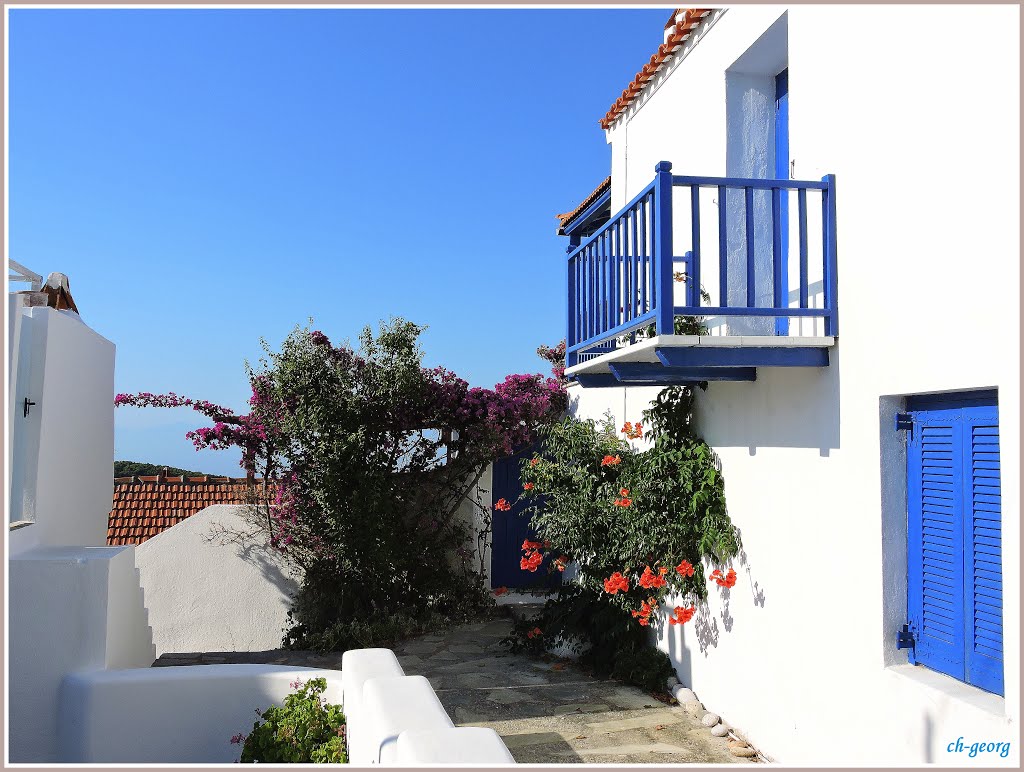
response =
{"points": [[828, 212], [694, 272], [664, 320], [571, 311]]}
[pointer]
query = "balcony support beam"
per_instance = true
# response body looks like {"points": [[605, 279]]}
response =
{"points": [[652, 373], [759, 356]]}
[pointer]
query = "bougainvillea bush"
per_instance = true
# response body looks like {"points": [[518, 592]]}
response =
{"points": [[374, 456], [639, 525]]}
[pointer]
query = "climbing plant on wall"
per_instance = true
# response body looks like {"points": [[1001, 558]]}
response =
{"points": [[638, 523]]}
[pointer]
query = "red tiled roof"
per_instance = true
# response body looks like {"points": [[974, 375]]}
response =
{"points": [[145, 506], [688, 19], [596, 193]]}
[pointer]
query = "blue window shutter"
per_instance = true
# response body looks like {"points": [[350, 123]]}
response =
{"points": [[935, 539], [983, 561]]}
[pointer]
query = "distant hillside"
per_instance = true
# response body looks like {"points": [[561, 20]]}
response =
{"points": [[132, 468]]}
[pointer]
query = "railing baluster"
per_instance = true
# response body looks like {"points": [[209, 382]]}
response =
{"points": [[801, 199], [663, 250], [617, 276], [723, 249], [599, 284], [591, 289], [644, 230], [828, 232], [693, 280], [581, 298], [634, 255], [570, 310], [606, 280], [748, 194], [778, 299], [603, 289]]}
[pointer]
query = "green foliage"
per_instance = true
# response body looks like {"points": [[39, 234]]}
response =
{"points": [[381, 455], [304, 730], [677, 510], [380, 631], [132, 468], [674, 511]]}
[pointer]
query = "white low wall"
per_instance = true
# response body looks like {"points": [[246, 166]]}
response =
{"points": [[71, 609], [171, 715], [205, 596], [183, 715]]}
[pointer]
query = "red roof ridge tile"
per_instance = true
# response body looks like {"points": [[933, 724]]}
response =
{"points": [[677, 35]]}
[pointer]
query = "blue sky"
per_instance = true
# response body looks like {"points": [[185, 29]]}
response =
{"points": [[210, 177]]}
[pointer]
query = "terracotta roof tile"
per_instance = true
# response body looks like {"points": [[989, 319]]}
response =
{"points": [[596, 193], [687, 19], [144, 507]]}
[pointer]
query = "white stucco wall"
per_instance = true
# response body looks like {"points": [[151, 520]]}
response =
{"points": [[62, 452], [70, 609], [208, 596], [923, 140]]}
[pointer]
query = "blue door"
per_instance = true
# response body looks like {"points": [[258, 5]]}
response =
{"points": [[954, 522], [782, 173], [509, 529]]}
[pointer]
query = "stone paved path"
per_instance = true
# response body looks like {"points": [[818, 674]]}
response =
{"points": [[546, 712]]}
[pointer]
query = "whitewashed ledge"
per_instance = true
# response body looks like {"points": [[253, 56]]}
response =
{"points": [[188, 714]]}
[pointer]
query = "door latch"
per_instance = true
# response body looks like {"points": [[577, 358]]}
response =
{"points": [[28, 406], [905, 638]]}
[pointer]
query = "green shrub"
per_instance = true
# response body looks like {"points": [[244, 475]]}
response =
{"points": [[305, 730], [627, 518]]}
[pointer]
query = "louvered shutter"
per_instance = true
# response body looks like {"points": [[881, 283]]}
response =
{"points": [[983, 564], [935, 539], [954, 556]]}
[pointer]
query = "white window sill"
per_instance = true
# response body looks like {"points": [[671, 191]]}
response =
{"points": [[952, 688]]}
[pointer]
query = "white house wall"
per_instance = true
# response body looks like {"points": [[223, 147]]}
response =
{"points": [[209, 596], [62, 453], [922, 136]]}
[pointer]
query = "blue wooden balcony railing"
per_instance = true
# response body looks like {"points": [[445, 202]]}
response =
{"points": [[621, 279]]}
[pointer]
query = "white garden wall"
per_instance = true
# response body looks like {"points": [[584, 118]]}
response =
{"points": [[70, 609], [205, 595], [922, 136]]}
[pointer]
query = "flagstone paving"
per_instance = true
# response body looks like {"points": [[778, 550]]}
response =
{"points": [[545, 711]]}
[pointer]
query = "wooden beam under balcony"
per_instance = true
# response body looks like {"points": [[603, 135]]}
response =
{"points": [[712, 357], [650, 373]]}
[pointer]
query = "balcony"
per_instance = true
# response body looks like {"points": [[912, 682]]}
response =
{"points": [[641, 311]]}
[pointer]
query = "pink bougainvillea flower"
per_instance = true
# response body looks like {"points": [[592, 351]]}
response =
{"points": [[527, 486], [502, 505], [535, 632], [531, 545]]}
